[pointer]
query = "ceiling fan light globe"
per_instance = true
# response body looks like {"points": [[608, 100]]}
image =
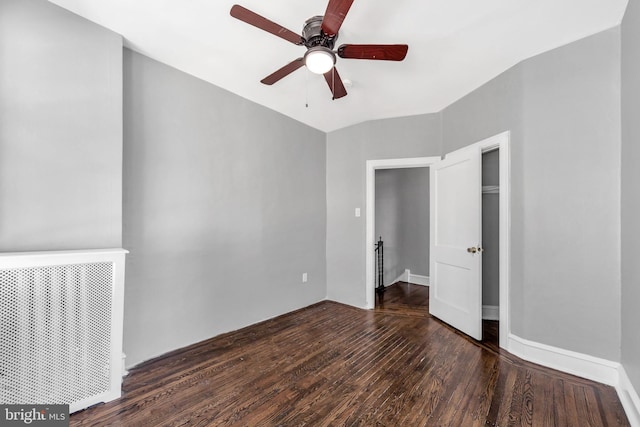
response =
{"points": [[319, 60]]}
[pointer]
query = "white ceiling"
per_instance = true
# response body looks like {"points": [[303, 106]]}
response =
{"points": [[455, 46]]}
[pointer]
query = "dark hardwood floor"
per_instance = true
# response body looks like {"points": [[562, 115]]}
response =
{"points": [[335, 365], [413, 300]]}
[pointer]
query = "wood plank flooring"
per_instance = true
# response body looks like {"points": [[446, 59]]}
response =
{"points": [[335, 365]]}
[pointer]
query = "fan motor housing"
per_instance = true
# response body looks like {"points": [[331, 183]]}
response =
{"points": [[314, 36]]}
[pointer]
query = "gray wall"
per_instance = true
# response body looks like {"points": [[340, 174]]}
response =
{"points": [[631, 192], [491, 109], [388, 222], [402, 219], [347, 152], [563, 108], [60, 130], [414, 217], [491, 230], [572, 197], [224, 209]]}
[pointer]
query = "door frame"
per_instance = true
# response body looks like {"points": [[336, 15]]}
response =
{"points": [[370, 212], [498, 142]]}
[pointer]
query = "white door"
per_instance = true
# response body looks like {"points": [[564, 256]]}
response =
{"points": [[455, 291]]}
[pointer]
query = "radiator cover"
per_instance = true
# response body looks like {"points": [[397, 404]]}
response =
{"points": [[61, 327]]}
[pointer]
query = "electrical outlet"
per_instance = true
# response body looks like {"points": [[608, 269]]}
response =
{"points": [[304, 277]]}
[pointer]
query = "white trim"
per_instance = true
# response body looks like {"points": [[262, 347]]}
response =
{"points": [[124, 372], [45, 258], [404, 277], [490, 312], [628, 397], [414, 279], [505, 236], [371, 166], [582, 365], [502, 143], [417, 279]]}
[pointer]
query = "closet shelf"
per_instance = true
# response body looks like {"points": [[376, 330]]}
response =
{"points": [[490, 189]]}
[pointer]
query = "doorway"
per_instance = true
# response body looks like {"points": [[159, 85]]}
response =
{"points": [[371, 167], [402, 229], [402, 224], [491, 246], [499, 142]]}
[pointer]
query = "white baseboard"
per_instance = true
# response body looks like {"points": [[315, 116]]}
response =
{"points": [[404, 277], [582, 365], [417, 279], [124, 372], [629, 397], [414, 279], [490, 312]]}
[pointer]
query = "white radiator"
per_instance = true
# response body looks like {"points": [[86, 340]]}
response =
{"points": [[61, 319]]}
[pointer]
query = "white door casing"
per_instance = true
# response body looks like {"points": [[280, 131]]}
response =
{"points": [[455, 294], [371, 167]]}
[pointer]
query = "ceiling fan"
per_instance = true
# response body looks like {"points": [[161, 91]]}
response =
{"points": [[319, 35]]}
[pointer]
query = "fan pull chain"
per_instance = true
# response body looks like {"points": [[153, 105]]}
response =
{"points": [[306, 94], [333, 84]]}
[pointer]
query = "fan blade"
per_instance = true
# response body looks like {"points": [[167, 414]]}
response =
{"points": [[334, 16], [384, 52], [283, 72], [263, 23], [335, 83]]}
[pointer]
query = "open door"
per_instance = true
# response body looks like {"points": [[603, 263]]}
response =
{"points": [[455, 290]]}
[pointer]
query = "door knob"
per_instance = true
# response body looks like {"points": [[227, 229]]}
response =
{"points": [[472, 250]]}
